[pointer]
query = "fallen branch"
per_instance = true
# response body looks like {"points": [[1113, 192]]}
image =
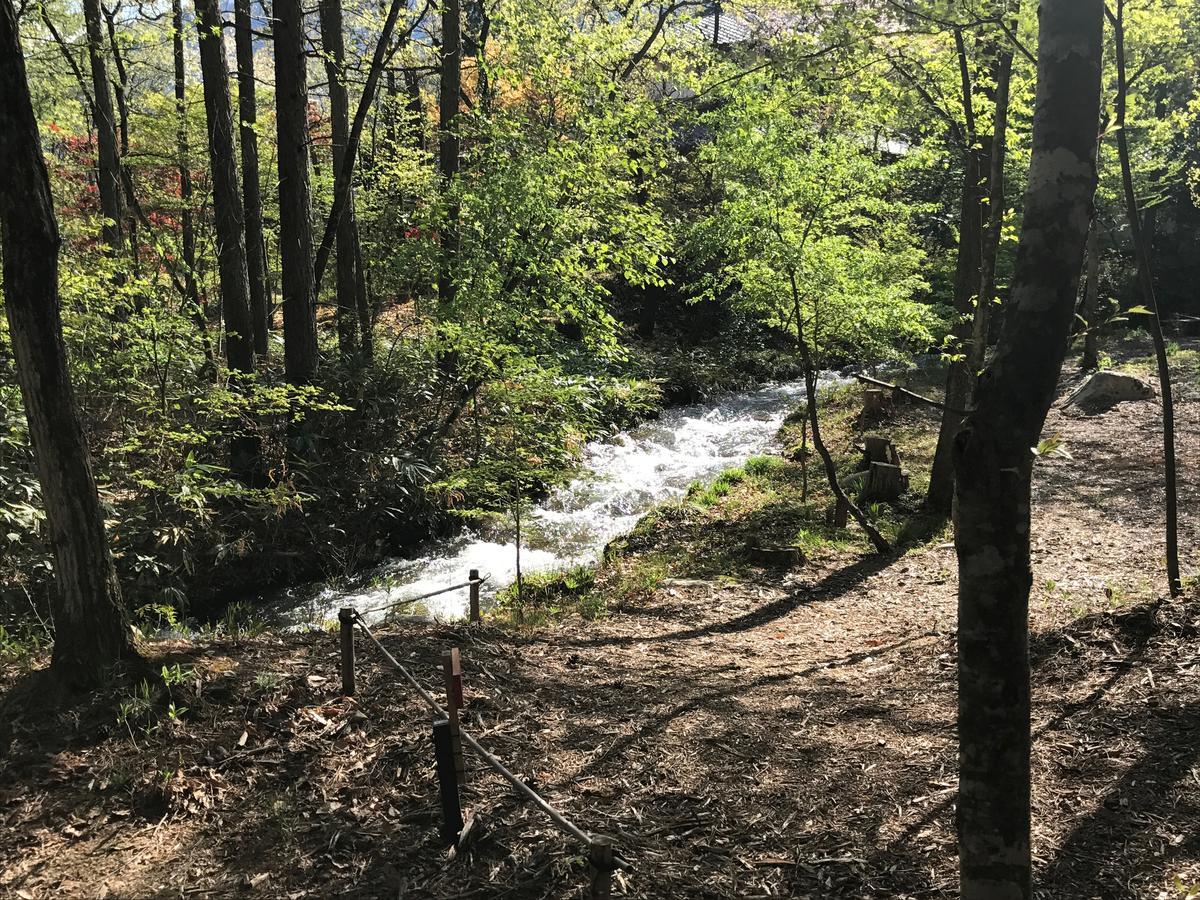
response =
{"points": [[938, 404]]}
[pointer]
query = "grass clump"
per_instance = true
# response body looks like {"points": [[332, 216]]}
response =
{"points": [[553, 594]]}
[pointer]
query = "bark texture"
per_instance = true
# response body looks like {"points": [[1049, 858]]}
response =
{"points": [[228, 215], [994, 463], [91, 633], [256, 245], [295, 203]]}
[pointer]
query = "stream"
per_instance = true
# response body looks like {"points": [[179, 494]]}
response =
{"points": [[621, 479]]}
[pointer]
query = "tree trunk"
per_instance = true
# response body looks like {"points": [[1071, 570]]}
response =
{"points": [[448, 141], [295, 226], [967, 279], [108, 159], [91, 633], [342, 177], [878, 541], [415, 108], [1091, 300], [366, 316], [120, 88], [994, 217], [993, 461], [347, 231], [183, 151], [256, 245], [229, 219], [1146, 282]]}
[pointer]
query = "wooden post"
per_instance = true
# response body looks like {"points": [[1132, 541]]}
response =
{"points": [[600, 863], [474, 579], [346, 631], [447, 775], [452, 672]]}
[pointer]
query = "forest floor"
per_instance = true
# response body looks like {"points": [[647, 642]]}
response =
{"points": [[739, 731]]}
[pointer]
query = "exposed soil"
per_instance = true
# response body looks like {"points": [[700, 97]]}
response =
{"points": [[787, 735]]}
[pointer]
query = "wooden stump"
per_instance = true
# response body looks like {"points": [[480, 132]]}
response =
{"points": [[874, 400], [884, 482]]}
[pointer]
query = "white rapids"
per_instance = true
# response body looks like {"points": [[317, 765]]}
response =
{"points": [[621, 479]]}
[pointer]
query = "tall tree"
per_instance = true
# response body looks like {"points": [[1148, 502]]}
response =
{"points": [[994, 462], [108, 158], [91, 633], [229, 218], [347, 232], [993, 211], [448, 140], [967, 277], [295, 226], [256, 245], [183, 151], [1145, 277]]}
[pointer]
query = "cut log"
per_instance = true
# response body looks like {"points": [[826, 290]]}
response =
{"points": [[1104, 390]]}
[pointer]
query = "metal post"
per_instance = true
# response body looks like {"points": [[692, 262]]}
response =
{"points": [[452, 672], [600, 864], [346, 631], [452, 820], [475, 582]]}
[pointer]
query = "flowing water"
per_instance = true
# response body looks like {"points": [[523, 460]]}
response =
{"points": [[622, 479]]}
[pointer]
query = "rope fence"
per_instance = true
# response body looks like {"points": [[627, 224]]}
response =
{"points": [[449, 739], [474, 582]]}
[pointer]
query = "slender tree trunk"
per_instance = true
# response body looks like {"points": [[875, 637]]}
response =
{"points": [[91, 633], [192, 298], [448, 140], [810, 389], [343, 177], [415, 107], [108, 159], [295, 205], [256, 245], [994, 215], [362, 299], [347, 230], [994, 464], [967, 279], [120, 88], [230, 219], [1146, 282], [1091, 304]]}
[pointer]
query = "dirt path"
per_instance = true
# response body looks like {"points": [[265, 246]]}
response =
{"points": [[790, 737]]}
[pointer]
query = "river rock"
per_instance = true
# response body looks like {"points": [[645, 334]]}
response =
{"points": [[1104, 390]]}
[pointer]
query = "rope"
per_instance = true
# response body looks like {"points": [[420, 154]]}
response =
{"points": [[445, 590], [564, 824]]}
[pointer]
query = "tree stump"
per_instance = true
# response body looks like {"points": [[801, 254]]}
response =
{"points": [[884, 482], [875, 400]]}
